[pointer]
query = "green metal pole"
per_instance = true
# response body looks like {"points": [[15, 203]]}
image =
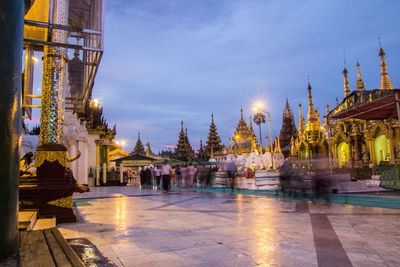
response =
{"points": [[11, 32]]}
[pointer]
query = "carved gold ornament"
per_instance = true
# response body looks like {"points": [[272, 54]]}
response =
{"points": [[65, 202], [51, 156]]}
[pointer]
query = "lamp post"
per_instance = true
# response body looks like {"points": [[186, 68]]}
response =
{"points": [[259, 118], [259, 107]]}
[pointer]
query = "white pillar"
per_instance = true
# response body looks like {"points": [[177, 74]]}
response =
{"points": [[72, 151], [121, 173], [83, 163]]}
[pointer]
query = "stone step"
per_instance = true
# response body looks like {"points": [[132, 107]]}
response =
{"points": [[45, 223], [46, 248], [27, 219]]}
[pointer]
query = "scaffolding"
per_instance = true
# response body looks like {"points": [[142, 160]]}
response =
{"points": [[84, 31]]}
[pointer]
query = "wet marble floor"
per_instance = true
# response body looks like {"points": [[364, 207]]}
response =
{"points": [[136, 227]]}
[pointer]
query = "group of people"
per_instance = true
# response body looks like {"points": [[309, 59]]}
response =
{"points": [[183, 176]]}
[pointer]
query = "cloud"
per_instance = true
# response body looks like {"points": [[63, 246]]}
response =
{"points": [[167, 61]]}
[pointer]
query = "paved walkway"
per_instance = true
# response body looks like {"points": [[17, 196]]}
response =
{"points": [[187, 228]]}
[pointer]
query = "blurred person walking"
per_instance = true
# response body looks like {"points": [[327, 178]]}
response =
{"points": [[178, 174], [158, 176], [191, 170], [231, 169], [166, 175]]}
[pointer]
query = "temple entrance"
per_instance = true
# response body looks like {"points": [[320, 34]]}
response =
{"points": [[342, 153], [381, 148]]}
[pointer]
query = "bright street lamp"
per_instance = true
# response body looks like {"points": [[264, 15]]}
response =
{"points": [[258, 107]]}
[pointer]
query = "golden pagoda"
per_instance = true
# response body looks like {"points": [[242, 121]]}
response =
{"points": [[244, 137], [311, 140], [358, 143]]}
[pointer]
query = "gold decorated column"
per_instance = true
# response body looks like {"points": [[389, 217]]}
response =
{"points": [[370, 142], [108, 157], [51, 155], [52, 112]]}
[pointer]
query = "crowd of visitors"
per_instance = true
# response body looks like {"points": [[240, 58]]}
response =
{"points": [[187, 175]]}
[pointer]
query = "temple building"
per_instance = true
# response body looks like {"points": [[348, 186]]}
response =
{"points": [[139, 149], [357, 143], [99, 141], [183, 149], [245, 139], [149, 153], [201, 153], [311, 141], [213, 141], [288, 130]]}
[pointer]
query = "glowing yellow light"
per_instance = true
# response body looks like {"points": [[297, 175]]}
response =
{"points": [[96, 102], [117, 142], [123, 143], [237, 137], [258, 105], [35, 59]]}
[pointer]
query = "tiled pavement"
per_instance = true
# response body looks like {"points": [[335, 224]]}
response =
{"points": [[186, 228]]}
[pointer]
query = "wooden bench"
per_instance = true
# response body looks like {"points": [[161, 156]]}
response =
{"points": [[46, 248]]}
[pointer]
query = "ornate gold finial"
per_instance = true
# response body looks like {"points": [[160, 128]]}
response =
{"points": [[182, 125], [311, 112], [301, 120], [279, 146], [287, 109], [212, 118], [346, 82], [186, 132], [337, 101], [327, 108], [385, 82], [292, 147], [360, 83], [241, 113]]}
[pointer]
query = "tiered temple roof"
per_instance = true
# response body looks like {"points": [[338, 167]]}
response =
{"points": [[149, 153], [183, 149], [244, 136], [288, 130], [214, 141], [95, 121], [139, 149]]}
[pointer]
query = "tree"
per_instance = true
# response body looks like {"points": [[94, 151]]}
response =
{"points": [[258, 119]]}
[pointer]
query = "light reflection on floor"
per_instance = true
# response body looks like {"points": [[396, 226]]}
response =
{"points": [[186, 228]]}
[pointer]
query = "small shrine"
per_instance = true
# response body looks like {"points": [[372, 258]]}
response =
{"points": [[183, 149], [244, 137]]}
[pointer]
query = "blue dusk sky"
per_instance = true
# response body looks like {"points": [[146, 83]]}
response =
{"points": [[167, 61]]}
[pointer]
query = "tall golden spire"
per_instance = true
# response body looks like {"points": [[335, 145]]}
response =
{"points": [[326, 118], [181, 125], [385, 82], [287, 109], [360, 83], [241, 113], [346, 82], [311, 111], [292, 147], [301, 120], [212, 118]]}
